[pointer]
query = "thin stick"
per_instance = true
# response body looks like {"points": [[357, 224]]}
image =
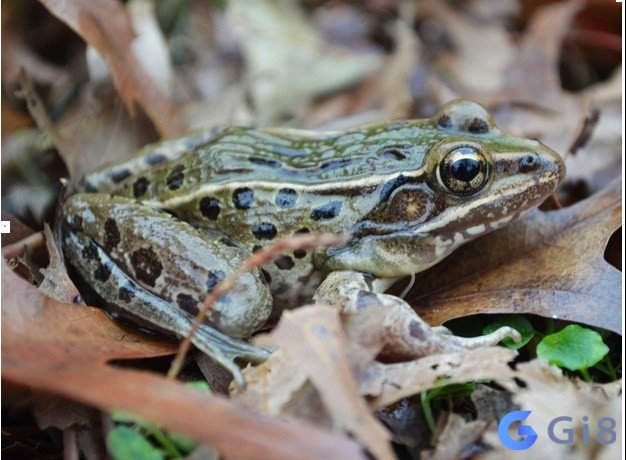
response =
{"points": [[261, 257]]}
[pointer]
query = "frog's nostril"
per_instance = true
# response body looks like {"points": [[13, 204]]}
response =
{"points": [[529, 163]]}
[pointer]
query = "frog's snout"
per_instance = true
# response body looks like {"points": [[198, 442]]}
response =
{"points": [[550, 162], [546, 164]]}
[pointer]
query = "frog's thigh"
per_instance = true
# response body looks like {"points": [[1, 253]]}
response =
{"points": [[406, 335]]}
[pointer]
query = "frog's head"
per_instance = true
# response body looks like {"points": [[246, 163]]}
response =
{"points": [[481, 178], [474, 179]]}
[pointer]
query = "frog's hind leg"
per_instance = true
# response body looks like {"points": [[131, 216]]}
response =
{"points": [[157, 270], [405, 334]]}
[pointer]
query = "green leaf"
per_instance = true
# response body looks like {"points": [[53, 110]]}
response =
{"points": [[575, 348], [517, 322], [124, 443]]}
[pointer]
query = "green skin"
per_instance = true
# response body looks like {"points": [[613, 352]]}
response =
{"points": [[396, 189]]}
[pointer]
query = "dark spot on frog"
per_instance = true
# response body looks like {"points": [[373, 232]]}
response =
{"points": [[280, 289], [103, 272], [417, 330], [261, 161], [76, 222], [126, 293], [154, 158], [111, 234], [389, 186], [187, 303], [256, 248], [140, 186], [214, 278], [284, 262], [301, 231], [367, 299], [445, 122], [394, 153], [119, 175], [299, 253], [90, 252], [176, 177], [227, 242], [264, 231], [147, 265], [304, 279], [267, 276], [210, 207], [330, 165], [243, 198], [478, 126], [327, 211], [286, 198]]}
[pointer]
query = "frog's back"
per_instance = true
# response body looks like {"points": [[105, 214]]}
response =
{"points": [[245, 155]]}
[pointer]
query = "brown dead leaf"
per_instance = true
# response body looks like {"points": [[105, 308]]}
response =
{"points": [[471, 39], [19, 230], [312, 337], [548, 263], [548, 394], [531, 101], [17, 55], [288, 61], [57, 283], [389, 383], [106, 25], [454, 437], [63, 349], [533, 75]]}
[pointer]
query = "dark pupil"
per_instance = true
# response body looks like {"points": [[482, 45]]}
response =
{"points": [[465, 169]]}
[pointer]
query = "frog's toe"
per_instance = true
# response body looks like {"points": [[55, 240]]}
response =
{"points": [[225, 350]]}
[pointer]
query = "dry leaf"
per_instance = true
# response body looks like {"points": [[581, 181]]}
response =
{"points": [[548, 263], [388, 383], [311, 338], [548, 394], [455, 436], [57, 283], [288, 63], [533, 76], [62, 349], [471, 40], [106, 25]]}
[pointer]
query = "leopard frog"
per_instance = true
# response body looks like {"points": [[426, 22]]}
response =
{"points": [[153, 235]]}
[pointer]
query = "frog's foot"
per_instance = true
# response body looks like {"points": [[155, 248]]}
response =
{"points": [[406, 335], [224, 350]]}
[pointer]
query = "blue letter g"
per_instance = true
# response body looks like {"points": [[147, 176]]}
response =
{"points": [[522, 430]]}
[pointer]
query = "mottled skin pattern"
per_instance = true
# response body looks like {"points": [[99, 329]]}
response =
{"points": [[407, 193]]}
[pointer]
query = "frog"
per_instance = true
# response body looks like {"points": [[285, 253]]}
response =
{"points": [[153, 235]]}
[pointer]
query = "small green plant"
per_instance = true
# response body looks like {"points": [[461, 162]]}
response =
{"points": [[574, 348], [135, 438], [431, 400]]}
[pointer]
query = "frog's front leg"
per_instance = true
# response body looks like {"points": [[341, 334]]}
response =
{"points": [[406, 335]]}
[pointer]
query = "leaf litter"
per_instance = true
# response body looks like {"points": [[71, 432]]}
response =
{"points": [[324, 379]]}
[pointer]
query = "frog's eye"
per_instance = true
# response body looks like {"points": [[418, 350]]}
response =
{"points": [[463, 171]]}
